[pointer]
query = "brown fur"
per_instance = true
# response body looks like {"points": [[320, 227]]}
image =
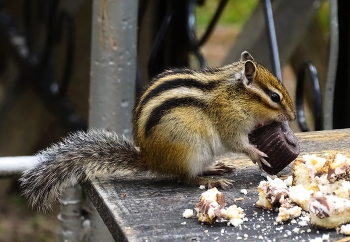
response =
{"points": [[232, 110]]}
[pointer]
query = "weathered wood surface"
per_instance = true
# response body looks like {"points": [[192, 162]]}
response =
{"points": [[152, 208]]}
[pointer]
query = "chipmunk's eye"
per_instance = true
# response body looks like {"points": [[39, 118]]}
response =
{"points": [[275, 97]]}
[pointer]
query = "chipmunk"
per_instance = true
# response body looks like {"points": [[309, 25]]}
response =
{"points": [[182, 120]]}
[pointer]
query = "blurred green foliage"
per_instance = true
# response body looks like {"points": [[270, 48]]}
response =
{"points": [[18, 200], [236, 12], [323, 17]]}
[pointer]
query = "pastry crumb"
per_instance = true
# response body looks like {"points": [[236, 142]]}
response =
{"points": [[244, 191], [202, 187], [188, 213], [345, 229]]}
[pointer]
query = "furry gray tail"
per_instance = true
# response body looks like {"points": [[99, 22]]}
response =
{"points": [[81, 155]]}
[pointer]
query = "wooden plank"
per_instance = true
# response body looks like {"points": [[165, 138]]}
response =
{"points": [[147, 208]]}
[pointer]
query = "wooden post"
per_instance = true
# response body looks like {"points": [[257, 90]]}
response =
{"points": [[113, 73]]}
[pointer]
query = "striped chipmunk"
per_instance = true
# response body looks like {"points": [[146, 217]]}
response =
{"points": [[182, 120]]}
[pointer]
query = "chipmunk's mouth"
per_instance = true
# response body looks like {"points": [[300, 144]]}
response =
{"points": [[259, 125]]}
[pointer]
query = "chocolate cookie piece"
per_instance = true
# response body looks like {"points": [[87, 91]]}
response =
{"points": [[278, 142]]}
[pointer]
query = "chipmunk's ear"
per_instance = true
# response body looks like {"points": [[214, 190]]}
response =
{"points": [[246, 56], [249, 72]]}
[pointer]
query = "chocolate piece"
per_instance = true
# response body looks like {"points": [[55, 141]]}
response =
{"points": [[278, 142]]}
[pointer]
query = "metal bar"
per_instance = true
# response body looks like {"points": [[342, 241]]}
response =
{"points": [[212, 23], [332, 65], [271, 33], [16, 165], [317, 102], [159, 40], [113, 67], [71, 221], [191, 32], [113, 74]]}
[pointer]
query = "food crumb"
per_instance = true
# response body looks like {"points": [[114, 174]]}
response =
{"points": [[302, 223], [260, 237], [345, 229], [202, 187], [244, 191], [296, 230], [325, 237], [206, 231], [318, 239], [188, 213], [239, 199], [183, 223], [289, 181]]}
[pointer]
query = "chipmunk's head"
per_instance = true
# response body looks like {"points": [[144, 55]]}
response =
{"points": [[270, 100]]}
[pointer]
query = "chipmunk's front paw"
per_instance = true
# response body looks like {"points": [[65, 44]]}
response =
{"points": [[257, 156], [219, 168], [220, 183]]}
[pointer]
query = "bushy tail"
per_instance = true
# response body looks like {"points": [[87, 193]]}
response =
{"points": [[80, 155]]}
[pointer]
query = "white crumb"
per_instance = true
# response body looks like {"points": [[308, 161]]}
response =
{"points": [[244, 191], [305, 218], [183, 223], [318, 239], [296, 230], [272, 177], [345, 229], [325, 237], [289, 181], [302, 223], [202, 187], [234, 214], [188, 213]]}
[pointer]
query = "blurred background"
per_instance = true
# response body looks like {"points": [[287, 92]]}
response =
{"points": [[44, 90]]}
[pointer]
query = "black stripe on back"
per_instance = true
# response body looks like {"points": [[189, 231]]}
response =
{"points": [[172, 84], [167, 106]]}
